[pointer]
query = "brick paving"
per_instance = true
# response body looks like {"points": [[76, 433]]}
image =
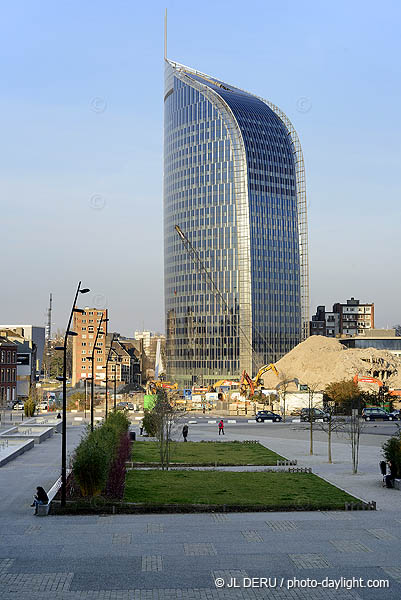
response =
{"points": [[179, 557], [281, 525], [309, 561]]}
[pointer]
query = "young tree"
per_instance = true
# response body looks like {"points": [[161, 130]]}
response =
{"points": [[331, 426], [356, 427], [166, 415], [342, 393]]}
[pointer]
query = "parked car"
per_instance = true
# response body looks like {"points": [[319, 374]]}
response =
{"points": [[396, 415], [121, 405], [43, 406], [18, 405], [125, 406], [267, 415], [308, 414], [375, 413]]}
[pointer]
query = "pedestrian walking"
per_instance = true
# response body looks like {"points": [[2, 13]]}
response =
{"points": [[39, 498], [185, 432], [141, 427], [221, 427]]}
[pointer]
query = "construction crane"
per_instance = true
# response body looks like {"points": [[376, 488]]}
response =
{"points": [[196, 259]]}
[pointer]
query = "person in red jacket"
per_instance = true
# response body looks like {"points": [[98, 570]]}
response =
{"points": [[221, 427]]}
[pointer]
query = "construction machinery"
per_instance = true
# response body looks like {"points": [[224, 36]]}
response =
{"points": [[153, 386], [247, 384], [383, 389]]}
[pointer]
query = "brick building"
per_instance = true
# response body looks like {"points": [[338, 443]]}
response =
{"points": [[8, 372], [85, 326]]}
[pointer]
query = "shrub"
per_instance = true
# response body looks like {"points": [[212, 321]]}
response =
{"points": [[97, 452], [29, 407], [150, 422], [116, 480], [91, 464], [392, 451]]}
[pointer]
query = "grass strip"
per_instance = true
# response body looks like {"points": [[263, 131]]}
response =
{"points": [[277, 490], [207, 453]]}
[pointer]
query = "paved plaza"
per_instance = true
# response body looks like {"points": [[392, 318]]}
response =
{"points": [[168, 557]]}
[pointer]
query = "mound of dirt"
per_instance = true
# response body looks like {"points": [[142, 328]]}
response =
{"points": [[319, 361]]}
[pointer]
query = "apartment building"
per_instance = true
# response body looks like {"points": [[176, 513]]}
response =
{"points": [[85, 326], [346, 319], [8, 372]]}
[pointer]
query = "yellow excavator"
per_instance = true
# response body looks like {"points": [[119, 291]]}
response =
{"points": [[153, 386], [249, 384]]}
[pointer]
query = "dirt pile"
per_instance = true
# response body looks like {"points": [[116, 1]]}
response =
{"points": [[319, 361]]}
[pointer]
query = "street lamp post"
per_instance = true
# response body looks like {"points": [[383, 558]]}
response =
{"points": [[93, 365], [86, 394], [64, 380], [117, 359], [106, 367], [115, 386]]}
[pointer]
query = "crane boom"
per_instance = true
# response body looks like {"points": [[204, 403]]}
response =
{"points": [[196, 259]]}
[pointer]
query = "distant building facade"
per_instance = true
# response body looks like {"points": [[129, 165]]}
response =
{"points": [[8, 372], [85, 325], [325, 323], [349, 319], [151, 341], [35, 334], [27, 361], [381, 339]]}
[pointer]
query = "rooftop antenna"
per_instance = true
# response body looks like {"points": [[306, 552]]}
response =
{"points": [[165, 34]]}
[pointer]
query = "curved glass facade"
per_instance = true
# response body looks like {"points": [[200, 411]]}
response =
{"points": [[230, 183]]}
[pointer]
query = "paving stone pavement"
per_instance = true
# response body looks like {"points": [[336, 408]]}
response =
{"points": [[186, 556]]}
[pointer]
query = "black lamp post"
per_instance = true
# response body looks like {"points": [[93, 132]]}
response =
{"points": [[86, 393], [117, 359], [64, 380], [115, 386], [106, 367], [92, 358]]}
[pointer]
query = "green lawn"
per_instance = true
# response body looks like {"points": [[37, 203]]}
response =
{"points": [[207, 453], [275, 490]]}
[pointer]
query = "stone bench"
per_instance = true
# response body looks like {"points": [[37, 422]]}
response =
{"points": [[43, 509]]}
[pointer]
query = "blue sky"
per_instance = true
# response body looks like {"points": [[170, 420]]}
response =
{"points": [[81, 156]]}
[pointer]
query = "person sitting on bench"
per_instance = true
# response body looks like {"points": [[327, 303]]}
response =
{"points": [[392, 475], [40, 498]]}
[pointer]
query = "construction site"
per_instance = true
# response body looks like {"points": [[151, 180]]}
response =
{"points": [[309, 368]]}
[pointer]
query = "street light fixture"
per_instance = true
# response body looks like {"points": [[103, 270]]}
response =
{"points": [[70, 333], [92, 358]]}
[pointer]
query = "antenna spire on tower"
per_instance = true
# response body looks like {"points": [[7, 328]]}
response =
{"points": [[165, 35]]}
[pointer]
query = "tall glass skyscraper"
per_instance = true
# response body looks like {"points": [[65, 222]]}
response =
{"points": [[234, 183]]}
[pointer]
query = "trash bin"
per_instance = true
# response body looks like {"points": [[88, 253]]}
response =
{"points": [[132, 436]]}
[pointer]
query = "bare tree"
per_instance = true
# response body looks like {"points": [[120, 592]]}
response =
{"points": [[354, 433], [312, 390]]}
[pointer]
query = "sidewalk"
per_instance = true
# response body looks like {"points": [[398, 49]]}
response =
{"points": [[39, 466]]}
